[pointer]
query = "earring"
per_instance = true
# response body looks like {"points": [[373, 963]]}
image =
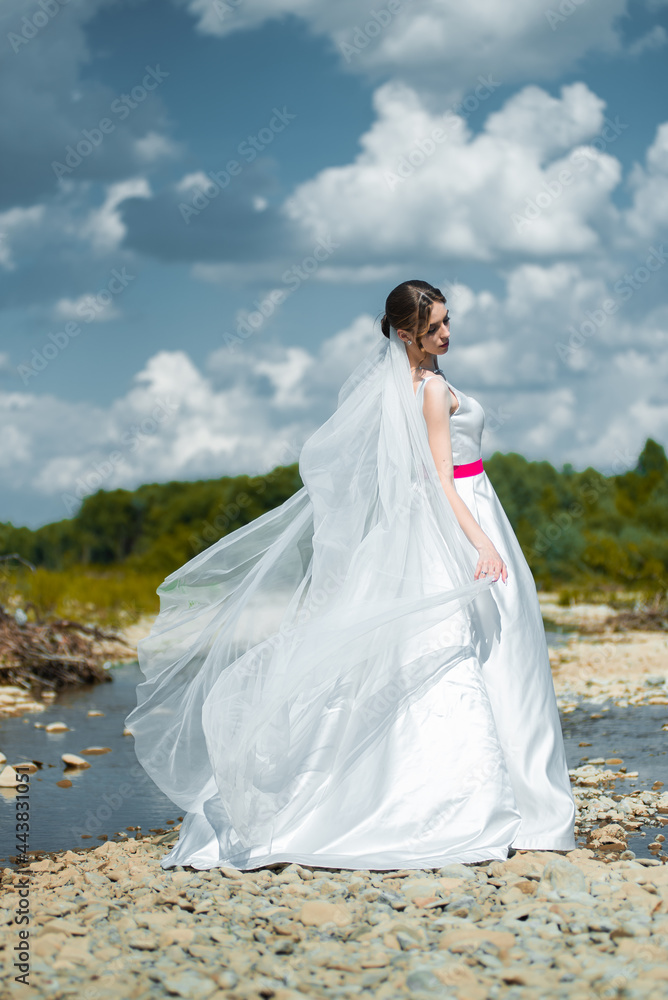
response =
{"points": [[409, 341]]}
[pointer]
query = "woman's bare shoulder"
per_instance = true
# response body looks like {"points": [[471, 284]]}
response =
{"points": [[436, 400], [435, 385]]}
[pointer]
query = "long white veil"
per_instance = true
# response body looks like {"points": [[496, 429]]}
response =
{"points": [[283, 651]]}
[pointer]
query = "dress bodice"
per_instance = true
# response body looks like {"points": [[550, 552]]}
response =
{"points": [[466, 424]]}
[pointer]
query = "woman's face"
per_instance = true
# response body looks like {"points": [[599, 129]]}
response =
{"points": [[437, 338]]}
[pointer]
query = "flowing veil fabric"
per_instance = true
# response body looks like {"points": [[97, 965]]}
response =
{"points": [[284, 651]]}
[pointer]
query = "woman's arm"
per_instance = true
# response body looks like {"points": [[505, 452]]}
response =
{"points": [[436, 409]]}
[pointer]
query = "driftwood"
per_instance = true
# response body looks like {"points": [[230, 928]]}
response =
{"points": [[52, 654], [650, 616], [646, 619], [15, 555]]}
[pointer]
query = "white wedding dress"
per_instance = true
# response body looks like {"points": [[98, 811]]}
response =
{"points": [[385, 727], [515, 664]]}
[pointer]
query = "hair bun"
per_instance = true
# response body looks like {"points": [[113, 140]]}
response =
{"points": [[385, 325]]}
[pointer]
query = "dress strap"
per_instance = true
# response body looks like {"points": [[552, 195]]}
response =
{"points": [[426, 379]]}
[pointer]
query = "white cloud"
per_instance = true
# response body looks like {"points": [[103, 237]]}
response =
{"points": [[648, 216], [50, 90], [103, 226], [85, 305], [515, 40], [171, 424], [174, 423], [532, 287], [31, 425], [14, 223], [248, 413], [559, 377], [654, 39], [287, 376], [14, 446], [195, 181], [300, 379], [544, 125], [222, 17], [339, 354], [155, 146], [357, 275], [422, 184], [560, 408]]}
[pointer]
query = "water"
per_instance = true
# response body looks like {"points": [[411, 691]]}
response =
{"points": [[632, 733], [106, 801]]}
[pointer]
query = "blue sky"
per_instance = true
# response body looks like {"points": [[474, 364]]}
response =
{"points": [[515, 155]]}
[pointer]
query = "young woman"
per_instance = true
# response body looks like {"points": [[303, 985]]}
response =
{"points": [[359, 678]]}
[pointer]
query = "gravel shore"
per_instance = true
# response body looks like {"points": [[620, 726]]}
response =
{"points": [[628, 667], [109, 922]]}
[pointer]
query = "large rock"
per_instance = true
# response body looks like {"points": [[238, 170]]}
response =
{"points": [[317, 913], [562, 877], [611, 837], [461, 939]]}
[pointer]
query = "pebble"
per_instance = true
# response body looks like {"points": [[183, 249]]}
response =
{"points": [[110, 922], [15, 700], [8, 777], [73, 760]]}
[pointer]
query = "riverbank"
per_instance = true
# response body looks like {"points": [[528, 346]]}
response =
{"points": [[628, 667], [598, 663], [107, 921], [110, 922], [16, 699]]}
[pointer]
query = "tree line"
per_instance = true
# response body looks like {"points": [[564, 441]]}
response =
{"points": [[575, 528]]}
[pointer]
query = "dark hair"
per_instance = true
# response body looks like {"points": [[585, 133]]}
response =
{"points": [[408, 307]]}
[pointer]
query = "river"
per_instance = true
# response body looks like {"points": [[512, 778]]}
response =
{"points": [[104, 802]]}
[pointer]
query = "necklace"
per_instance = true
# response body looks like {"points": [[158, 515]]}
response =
{"points": [[427, 369]]}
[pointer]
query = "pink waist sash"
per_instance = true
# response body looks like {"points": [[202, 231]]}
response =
{"points": [[470, 469]]}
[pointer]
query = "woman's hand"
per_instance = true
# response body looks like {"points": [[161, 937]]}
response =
{"points": [[490, 563]]}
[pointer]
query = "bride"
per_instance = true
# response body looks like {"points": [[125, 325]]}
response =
{"points": [[359, 678]]}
